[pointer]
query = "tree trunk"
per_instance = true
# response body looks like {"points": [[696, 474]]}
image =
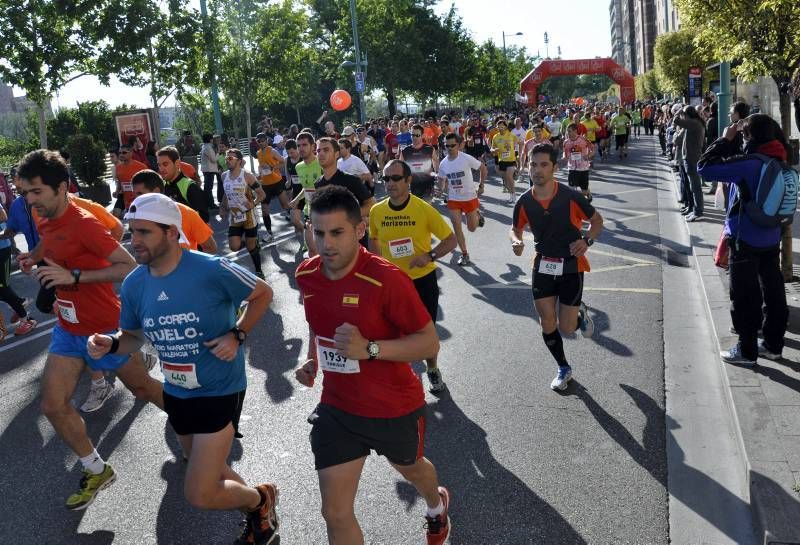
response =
{"points": [[42, 127], [249, 132], [785, 105], [297, 111], [156, 121], [391, 100], [797, 112]]}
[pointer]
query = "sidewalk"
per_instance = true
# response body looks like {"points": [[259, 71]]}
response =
{"points": [[764, 401]]}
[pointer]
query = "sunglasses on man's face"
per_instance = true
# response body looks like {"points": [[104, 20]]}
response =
{"points": [[416, 135], [451, 145], [393, 177]]}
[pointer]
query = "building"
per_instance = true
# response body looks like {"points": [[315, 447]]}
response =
{"points": [[644, 34], [667, 19], [9, 104], [629, 36], [617, 46]]}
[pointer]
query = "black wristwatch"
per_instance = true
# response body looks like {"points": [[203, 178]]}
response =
{"points": [[588, 240], [373, 349], [240, 334], [432, 255], [76, 274]]}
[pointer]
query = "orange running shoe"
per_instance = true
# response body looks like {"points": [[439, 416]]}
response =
{"points": [[439, 526]]}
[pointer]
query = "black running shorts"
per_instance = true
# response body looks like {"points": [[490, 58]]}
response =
{"points": [[203, 414], [272, 190], [505, 165], [338, 437], [567, 287], [239, 230], [428, 289], [578, 178], [620, 140]]}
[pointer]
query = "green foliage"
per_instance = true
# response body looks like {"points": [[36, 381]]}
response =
{"points": [[561, 88], [648, 85], [88, 158], [675, 52], [11, 151]]}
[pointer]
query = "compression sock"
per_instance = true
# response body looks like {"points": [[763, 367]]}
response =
{"points": [[556, 346], [255, 255], [93, 463], [267, 222]]}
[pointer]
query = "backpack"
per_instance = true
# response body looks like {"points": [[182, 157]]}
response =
{"points": [[775, 201]]}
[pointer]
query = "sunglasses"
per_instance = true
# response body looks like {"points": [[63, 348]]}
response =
{"points": [[451, 145], [416, 135], [393, 177]]}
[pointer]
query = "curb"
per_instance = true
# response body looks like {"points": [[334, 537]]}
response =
{"points": [[775, 506]]}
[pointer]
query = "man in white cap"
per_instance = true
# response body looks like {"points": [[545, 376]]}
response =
{"points": [[200, 342]]}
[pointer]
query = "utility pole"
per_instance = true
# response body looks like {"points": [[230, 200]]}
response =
{"points": [[211, 67], [359, 73]]}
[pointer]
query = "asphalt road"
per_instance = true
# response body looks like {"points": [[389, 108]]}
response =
{"points": [[524, 465]]}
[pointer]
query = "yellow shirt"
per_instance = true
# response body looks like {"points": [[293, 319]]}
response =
{"points": [[545, 134], [592, 127], [402, 234], [506, 145]]}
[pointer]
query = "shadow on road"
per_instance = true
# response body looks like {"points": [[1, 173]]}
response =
{"points": [[482, 488]]}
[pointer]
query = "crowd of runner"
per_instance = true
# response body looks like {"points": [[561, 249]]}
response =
{"points": [[368, 281]]}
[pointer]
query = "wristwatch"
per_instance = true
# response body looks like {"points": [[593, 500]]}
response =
{"points": [[76, 274], [588, 240], [432, 255], [373, 349], [240, 334]]}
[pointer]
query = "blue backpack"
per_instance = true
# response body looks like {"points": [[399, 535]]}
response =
{"points": [[775, 201]]}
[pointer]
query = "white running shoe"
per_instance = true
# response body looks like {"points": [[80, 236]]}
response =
{"points": [[562, 378], [267, 238], [97, 396]]}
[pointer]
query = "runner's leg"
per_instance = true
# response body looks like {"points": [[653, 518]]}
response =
{"points": [[136, 379], [61, 375], [338, 486], [422, 474], [455, 219]]}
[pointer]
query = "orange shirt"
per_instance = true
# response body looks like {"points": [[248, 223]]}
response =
{"points": [[188, 170], [195, 229], [106, 218], [125, 173], [430, 135], [76, 240]]}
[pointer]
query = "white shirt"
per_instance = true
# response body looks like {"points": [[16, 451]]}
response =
{"points": [[458, 171], [208, 158], [519, 133], [353, 165]]}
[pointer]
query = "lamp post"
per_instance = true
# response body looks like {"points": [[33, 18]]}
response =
{"points": [[359, 62], [504, 40], [212, 69]]}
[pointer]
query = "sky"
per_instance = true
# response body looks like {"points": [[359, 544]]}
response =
{"points": [[581, 33]]}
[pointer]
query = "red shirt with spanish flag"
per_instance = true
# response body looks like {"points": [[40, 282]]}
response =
{"points": [[382, 302]]}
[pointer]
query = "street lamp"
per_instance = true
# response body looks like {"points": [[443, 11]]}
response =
{"points": [[360, 77], [504, 40]]}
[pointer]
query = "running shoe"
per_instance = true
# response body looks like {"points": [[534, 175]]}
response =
{"points": [[438, 527], [463, 260], [15, 317], [90, 485], [435, 378], [562, 378], [25, 326], [267, 238], [765, 352], [481, 219], [97, 396], [693, 217], [585, 323], [261, 525], [735, 355]]}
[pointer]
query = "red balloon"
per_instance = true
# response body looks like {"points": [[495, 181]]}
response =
{"points": [[340, 100]]}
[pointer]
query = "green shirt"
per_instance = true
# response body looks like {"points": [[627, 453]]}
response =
{"points": [[620, 124], [308, 173]]}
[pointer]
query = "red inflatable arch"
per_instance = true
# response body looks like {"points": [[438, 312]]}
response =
{"points": [[529, 86]]}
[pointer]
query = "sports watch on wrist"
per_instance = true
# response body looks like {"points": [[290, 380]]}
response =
{"points": [[76, 275], [432, 255], [588, 240], [373, 349], [240, 334]]}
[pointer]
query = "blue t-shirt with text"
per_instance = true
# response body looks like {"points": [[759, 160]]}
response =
{"points": [[196, 302]]}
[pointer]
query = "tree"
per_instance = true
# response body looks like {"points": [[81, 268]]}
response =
{"points": [[762, 34], [675, 52], [648, 85], [48, 44]]}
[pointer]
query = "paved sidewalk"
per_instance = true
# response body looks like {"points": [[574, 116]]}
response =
{"points": [[765, 401]]}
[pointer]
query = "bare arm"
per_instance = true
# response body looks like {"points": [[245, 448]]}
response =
{"points": [[54, 274], [209, 245], [415, 346]]}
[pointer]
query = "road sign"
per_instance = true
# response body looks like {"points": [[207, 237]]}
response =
{"points": [[360, 82]]}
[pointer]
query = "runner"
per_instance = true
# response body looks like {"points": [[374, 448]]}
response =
{"points": [[269, 172], [536, 138], [366, 323], [350, 164], [400, 230], [555, 215], [20, 317], [578, 152], [293, 183], [242, 194], [504, 145], [83, 260], [198, 234], [308, 172], [204, 380], [423, 161], [126, 167], [520, 132], [177, 186], [620, 124], [455, 173], [475, 142], [327, 154]]}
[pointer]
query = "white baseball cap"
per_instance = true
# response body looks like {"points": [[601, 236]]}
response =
{"points": [[159, 208]]}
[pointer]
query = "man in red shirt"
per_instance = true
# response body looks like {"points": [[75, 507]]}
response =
{"points": [[126, 168], [366, 323], [82, 261]]}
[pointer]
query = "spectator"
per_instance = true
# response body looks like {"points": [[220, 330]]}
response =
{"points": [[187, 148], [150, 155], [755, 274], [210, 168], [694, 129]]}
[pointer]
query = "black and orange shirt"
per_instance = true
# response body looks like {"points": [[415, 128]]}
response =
{"points": [[555, 224], [382, 302]]}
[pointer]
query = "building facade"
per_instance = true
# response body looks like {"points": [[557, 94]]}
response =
{"points": [[635, 24], [667, 19], [644, 32], [617, 45]]}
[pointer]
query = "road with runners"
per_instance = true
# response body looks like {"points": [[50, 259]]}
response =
{"points": [[524, 464]]}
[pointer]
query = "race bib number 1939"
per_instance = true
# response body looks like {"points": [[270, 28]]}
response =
{"points": [[330, 359]]}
